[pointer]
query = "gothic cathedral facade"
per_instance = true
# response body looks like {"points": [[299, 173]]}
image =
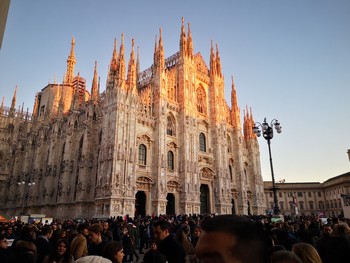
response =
{"points": [[159, 141]]}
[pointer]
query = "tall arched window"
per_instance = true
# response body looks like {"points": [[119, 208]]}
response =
{"points": [[230, 170], [229, 144], [171, 160], [202, 143], [142, 154]]}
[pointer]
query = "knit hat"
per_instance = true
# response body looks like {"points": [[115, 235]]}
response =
{"points": [[93, 259]]}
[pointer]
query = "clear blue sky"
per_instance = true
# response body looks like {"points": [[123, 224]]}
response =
{"points": [[290, 60]]}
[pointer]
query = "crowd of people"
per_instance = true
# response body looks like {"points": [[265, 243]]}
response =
{"points": [[177, 239]]}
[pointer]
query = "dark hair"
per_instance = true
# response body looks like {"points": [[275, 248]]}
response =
{"points": [[164, 225], [46, 229], [252, 245], [281, 256], [54, 256], [96, 228], [111, 249], [82, 226]]}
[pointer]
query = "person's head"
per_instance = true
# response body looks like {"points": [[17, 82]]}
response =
{"points": [[160, 230], [47, 231], [83, 229], [197, 231], [153, 245], [95, 233], [231, 239], [285, 256], [307, 253], [327, 230], [62, 247], [9, 230], [341, 229], [114, 252], [105, 226]]}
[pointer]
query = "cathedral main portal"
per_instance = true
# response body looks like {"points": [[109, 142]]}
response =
{"points": [[140, 204]]}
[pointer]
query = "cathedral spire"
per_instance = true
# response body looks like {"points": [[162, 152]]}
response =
{"points": [[235, 114], [13, 103], [114, 62], [131, 78], [94, 87], [161, 50], [218, 62], [183, 39], [212, 61], [189, 42], [121, 63], [70, 64]]}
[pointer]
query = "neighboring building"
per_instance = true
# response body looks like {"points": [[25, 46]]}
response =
{"points": [[159, 141], [4, 9], [329, 198]]}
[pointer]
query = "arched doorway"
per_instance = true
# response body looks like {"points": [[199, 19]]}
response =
{"points": [[204, 198], [140, 204], [170, 206], [233, 206], [249, 213]]}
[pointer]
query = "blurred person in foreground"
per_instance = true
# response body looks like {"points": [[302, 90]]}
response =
{"points": [[232, 239], [114, 252], [60, 253]]}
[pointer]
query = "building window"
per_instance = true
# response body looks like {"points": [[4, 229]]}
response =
{"points": [[320, 205], [202, 143], [280, 194], [319, 194], [271, 195], [291, 205], [290, 194], [300, 194], [311, 205], [171, 161], [309, 194], [301, 205], [142, 154], [230, 170], [272, 205], [282, 205]]}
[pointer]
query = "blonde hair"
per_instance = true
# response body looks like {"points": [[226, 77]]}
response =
{"points": [[307, 253]]}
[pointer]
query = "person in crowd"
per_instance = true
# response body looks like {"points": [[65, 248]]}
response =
{"points": [[107, 233], [338, 247], [97, 244], [153, 255], [127, 245], [55, 234], [197, 231], [307, 253], [60, 253], [134, 235], [10, 233], [167, 245], [182, 238], [285, 256], [114, 252], [5, 253], [78, 247], [143, 236], [323, 243], [230, 239], [42, 243], [24, 249], [116, 230]]}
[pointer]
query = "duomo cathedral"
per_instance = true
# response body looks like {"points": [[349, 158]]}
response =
{"points": [[161, 140]]}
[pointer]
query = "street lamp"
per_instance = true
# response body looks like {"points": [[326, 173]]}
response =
{"points": [[267, 131], [26, 183]]}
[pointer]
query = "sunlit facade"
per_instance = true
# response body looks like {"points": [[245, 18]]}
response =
{"points": [[162, 140]]}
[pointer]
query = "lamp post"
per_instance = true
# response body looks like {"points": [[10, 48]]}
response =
{"points": [[26, 184], [267, 131]]}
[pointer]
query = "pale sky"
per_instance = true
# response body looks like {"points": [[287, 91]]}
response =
{"points": [[290, 60]]}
